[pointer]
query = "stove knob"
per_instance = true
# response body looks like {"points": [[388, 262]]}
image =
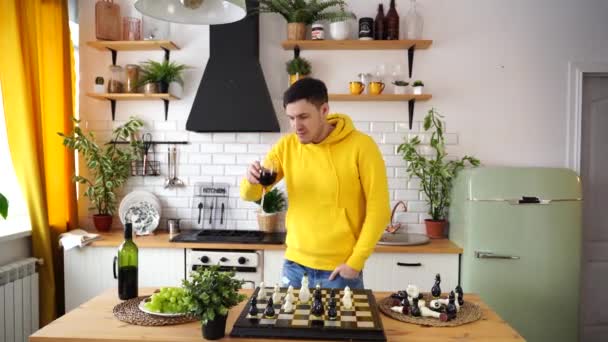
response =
{"points": [[223, 259], [204, 259], [242, 260]]}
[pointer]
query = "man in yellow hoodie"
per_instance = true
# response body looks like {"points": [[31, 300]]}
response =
{"points": [[337, 191]]}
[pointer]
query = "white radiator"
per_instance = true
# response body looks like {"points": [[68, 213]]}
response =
{"points": [[18, 300]]}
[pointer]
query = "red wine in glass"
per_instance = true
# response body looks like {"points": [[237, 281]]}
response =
{"points": [[267, 177]]}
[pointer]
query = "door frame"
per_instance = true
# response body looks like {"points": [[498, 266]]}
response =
{"points": [[576, 72]]}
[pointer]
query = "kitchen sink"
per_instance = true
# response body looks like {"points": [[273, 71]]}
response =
{"points": [[407, 239]]}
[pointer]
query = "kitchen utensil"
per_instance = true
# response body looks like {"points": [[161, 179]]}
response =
{"points": [[107, 20], [147, 139], [173, 226], [168, 179], [174, 180]]}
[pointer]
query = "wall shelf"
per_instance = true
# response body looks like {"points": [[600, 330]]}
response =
{"points": [[356, 44], [410, 98], [113, 97], [133, 45]]}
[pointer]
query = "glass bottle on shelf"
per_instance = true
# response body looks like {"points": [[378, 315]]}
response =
{"points": [[132, 73], [414, 22], [380, 24], [392, 23], [115, 81]]}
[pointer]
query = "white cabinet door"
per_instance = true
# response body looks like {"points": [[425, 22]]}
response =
{"points": [[273, 267], [88, 271], [394, 271]]}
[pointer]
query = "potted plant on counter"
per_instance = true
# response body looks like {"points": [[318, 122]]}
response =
{"points": [[417, 87], [301, 13], [297, 68], [3, 206], [268, 216], [211, 294], [157, 76], [435, 173], [109, 166], [400, 87]]}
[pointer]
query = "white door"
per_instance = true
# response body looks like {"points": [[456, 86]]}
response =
{"points": [[594, 173]]}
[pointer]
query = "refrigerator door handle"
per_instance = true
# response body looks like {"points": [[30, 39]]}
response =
{"points": [[490, 255]]}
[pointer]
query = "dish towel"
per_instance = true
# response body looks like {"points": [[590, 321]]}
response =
{"points": [[77, 238]]}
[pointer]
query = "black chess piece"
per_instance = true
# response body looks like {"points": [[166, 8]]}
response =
{"points": [[253, 308], [460, 295], [332, 312], [451, 307], [317, 308], [332, 301], [332, 293], [399, 295], [316, 294], [414, 309], [436, 289], [405, 304], [269, 311]]}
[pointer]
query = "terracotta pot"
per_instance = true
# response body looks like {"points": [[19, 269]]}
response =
{"points": [[435, 229], [103, 223], [215, 329], [268, 223], [296, 31]]}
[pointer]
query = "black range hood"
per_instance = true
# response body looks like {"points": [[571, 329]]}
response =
{"points": [[233, 95]]}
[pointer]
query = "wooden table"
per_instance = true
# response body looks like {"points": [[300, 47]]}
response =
{"points": [[94, 321]]}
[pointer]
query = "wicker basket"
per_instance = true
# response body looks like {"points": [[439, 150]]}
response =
{"points": [[268, 223]]}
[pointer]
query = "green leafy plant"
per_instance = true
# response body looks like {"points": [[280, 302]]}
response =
{"points": [[298, 65], [99, 80], [435, 173], [3, 206], [110, 165], [274, 201], [162, 72], [306, 11], [418, 83], [400, 83], [212, 292]]}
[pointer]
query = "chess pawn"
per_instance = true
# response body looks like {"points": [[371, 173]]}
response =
{"points": [[405, 306], [426, 312], [317, 308], [304, 291], [332, 293], [288, 306], [436, 289], [276, 295], [347, 301], [412, 292], [436, 304], [332, 312], [415, 310], [261, 292], [253, 308], [269, 310], [451, 308], [460, 295]]}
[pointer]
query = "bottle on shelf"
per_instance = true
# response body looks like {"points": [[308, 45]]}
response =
{"points": [[414, 22], [392, 23], [127, 266], [380, 24]]}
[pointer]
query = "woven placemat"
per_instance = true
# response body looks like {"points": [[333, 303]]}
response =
{"points": [[468, 313], [129, 312]]}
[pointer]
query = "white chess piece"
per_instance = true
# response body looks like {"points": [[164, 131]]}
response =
{"points": [[304, 290], [262, 292], [347, 300], [288, 298], [276, 296], [398, 309], [426, 312], [290, 291], [288, 306], [436, 304], [412, 292]]}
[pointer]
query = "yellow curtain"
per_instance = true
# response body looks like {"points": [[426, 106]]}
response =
{"points": [[37, 87]]}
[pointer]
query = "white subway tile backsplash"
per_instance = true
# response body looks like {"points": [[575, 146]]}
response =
{"points": [[406, 195], [249, 138], [199, 179], [407, 217], [231, 180], [199, 137], [362, 126], [239, 170], [188, 148], [259, 148], [414, 184], [451, 139], [212, 148], [237, 214], [401, 172], [394, 161], [270, 138], [224, 159], [165, 125], [417, 206], [382, 127], [246, 204], [397, 183], [188, 170], [246, 159], [378, 137], [212, 170], [405, 127], [394, 138], [199, 158], [387, 150], [235, 148], [224, 137]]}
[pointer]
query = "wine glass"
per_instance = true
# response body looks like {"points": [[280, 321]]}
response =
{"points": [[268, 175]]}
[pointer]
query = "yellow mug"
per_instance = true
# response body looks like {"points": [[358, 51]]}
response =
{"points": [[376, 88], [356, 88]]}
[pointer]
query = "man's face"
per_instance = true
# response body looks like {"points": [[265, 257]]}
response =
{"points": [[306, 120]]}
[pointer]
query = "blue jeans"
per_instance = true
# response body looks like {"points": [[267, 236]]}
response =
{"points": [[293, 272]]}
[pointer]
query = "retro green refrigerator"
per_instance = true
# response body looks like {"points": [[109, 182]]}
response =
{"points": [[520, 229]]}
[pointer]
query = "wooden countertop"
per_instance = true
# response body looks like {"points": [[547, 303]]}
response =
{"points": [[94, 321], [161, 240]]}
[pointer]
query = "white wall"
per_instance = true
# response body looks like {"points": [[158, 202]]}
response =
{"points": [[15, 249], [497, 71]]}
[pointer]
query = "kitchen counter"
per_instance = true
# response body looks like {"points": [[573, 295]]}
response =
{"points": [[94, 321], [161, 240]]}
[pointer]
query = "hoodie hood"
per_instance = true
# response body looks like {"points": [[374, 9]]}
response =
{"points": [[343, 127]]}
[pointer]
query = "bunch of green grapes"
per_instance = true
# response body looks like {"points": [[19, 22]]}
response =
{"points": [[169, 300]]}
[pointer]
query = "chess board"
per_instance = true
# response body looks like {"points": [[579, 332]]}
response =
{"points": [[362, 322]]}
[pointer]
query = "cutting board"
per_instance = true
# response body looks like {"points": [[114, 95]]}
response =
{"points": [[107, 20]]}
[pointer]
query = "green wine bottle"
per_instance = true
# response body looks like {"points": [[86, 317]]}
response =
{"points": [[127, 266]]}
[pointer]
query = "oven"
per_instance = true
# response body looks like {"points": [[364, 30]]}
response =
{"points": [[246, 263]]}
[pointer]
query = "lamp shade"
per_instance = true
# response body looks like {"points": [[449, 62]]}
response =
{"points": [[197, 12]]}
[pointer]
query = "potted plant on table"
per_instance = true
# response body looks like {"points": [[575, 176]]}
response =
{"points": [[110, 166], [211, 294], [297, 68], [435, 173], [417, 87], [300, 13], [274, 204], [400, 87], [157, 76], [3, 206]]}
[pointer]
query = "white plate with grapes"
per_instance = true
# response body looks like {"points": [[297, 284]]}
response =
{"points": [[166, 303]]}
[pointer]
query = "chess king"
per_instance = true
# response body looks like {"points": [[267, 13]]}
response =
{"points": [[338, 195]]}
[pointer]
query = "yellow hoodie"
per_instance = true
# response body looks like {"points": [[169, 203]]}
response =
{"points": [[338, 196]]}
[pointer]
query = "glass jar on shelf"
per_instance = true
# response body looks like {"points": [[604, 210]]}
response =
{"points": [[132, 73], [414, 22], [116, 79]]}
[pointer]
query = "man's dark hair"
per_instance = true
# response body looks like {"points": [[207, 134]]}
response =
{"points": [[309, 89]]}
